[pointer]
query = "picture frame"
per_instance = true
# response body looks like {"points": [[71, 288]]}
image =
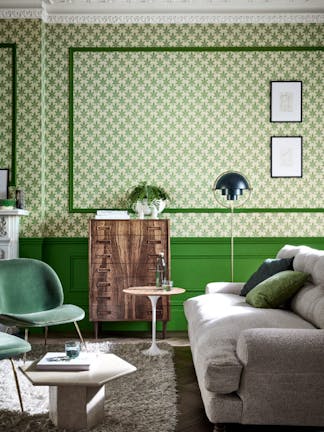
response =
{"points": [[286, 101], [286, 156], [4, 182]]}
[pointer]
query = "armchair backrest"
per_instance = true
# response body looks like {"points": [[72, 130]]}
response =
{"points": [[28, 285]]}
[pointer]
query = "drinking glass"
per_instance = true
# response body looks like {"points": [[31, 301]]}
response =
{"points": [[72, 349]]}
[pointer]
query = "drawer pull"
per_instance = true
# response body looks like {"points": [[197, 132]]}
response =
{"points": [[104, 241], [153, 241], [102, 297], [103, 228], [103, 284], [154, 228], [103, 270], [104, 255]]}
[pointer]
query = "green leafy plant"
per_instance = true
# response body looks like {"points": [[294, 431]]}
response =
{"points": [[144, 191]]}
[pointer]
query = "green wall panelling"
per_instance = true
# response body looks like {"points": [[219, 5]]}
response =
{"points": [[31, 247], [194, 262]]}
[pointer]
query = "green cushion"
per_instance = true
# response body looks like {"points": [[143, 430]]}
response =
{"points": [[268, 268], [277, 289]]}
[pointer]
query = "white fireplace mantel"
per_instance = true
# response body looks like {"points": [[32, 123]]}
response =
{"points": [[9, 232]]}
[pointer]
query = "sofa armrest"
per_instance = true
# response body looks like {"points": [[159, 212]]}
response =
{"points": [[224, 287], [282, 350]]}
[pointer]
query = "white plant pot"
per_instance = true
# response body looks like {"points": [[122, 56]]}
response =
{"points": [[142, 208], [157, 207]]}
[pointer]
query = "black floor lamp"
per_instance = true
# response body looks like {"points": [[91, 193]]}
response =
{"points": [[231, 185]]}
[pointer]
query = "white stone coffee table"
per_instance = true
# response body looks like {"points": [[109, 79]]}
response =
{"points": [[76, 398]]}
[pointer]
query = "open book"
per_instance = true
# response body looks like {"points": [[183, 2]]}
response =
{"points": [[59, 361]]}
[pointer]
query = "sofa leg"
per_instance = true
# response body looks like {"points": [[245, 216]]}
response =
{"points": [[219, 427]]}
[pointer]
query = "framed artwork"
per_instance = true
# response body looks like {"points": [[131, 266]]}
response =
{"points": [[4, 181], [286, 156], [286, 101]]}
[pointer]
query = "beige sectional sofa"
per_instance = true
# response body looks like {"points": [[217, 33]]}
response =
{"points": [[261, 366]]}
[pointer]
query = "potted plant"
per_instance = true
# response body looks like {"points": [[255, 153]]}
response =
{"points": [[147, 199]]}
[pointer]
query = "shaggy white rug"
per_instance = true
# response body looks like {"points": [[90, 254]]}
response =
{"points": [[144, 401]]}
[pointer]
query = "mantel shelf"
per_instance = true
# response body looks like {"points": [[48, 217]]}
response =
{"points": [[14, 212]]}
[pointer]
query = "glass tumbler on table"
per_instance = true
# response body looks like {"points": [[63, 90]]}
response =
{"points": [[72, 349]]}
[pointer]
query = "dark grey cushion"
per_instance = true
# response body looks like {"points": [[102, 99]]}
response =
{"points": [[267, 269]]}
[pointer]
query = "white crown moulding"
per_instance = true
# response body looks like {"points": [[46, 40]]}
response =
{"points": [[208, 18]]}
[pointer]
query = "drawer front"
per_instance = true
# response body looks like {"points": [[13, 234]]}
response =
{"points": [[127, 250], [149, 228], [105, 312], [105, 229]]}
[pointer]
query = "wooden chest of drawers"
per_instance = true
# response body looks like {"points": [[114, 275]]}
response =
{"points": [[123, 253]]}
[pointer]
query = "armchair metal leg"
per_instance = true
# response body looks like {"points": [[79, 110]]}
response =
{"points": [[17, 384], [26, 339], [45, 335], [80, 335], [26, 334]]}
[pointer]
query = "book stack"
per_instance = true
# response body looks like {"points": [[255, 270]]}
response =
{"points": [[58, 361], [112, 214]]}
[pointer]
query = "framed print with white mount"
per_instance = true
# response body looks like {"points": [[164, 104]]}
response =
{"points": [[286, 156], [4, 181], [286, 101]]}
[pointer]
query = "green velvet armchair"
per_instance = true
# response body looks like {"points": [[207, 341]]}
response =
{"points": [[12, 346], [31, 295]]}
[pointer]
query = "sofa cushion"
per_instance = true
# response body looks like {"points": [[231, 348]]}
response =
{"points": [[307, 260], [309, 301], [215, 322], [268, 268], [277, 289], [309, 304]]}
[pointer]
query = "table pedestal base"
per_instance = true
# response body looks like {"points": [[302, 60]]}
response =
{"points": [[76, 407], [154, 349]]}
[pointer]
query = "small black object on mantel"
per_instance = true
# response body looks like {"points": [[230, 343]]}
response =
{"points": [[20, 199]]}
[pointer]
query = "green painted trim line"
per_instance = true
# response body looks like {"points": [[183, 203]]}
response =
{"points": [[197, 49], [177, 49], [215, 210], [71, 210], [14, 115], [245, 210], [13, 47]]}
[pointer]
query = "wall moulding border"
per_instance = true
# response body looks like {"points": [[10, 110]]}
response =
{"points": [[13, 125], [165, 18], [73, 50]]}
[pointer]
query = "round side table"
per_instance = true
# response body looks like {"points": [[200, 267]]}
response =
{"points": [[153, 294]]}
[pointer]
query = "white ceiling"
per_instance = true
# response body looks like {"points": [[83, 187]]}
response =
{"points": [[64, 8]]}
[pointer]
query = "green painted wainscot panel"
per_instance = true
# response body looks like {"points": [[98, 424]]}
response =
{"points": [[195, 262]]}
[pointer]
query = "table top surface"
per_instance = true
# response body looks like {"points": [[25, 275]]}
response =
{"points": [[105, 367], [152, 290]]}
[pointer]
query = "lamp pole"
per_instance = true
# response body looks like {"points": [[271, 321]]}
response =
{"points": [[232, 240]]}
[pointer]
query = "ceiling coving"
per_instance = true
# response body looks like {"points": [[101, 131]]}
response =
{"points": [[172, 10]]}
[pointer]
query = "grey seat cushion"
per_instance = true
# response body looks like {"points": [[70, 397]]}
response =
{"points": [[215, 323]]}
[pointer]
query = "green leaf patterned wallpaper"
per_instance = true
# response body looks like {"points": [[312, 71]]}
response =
{"points": [[200, 127]]}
